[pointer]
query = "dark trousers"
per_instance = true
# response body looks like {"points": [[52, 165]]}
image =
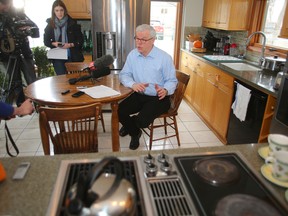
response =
{"points": [[147, 109], [59, 66]]}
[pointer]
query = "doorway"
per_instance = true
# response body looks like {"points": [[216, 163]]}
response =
{"points": [[165, 18]]}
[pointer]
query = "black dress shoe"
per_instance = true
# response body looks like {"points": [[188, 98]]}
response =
{"points": [[123, 132], [134, 144]]}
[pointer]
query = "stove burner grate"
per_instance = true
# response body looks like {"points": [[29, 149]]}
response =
{"points": [[216, 171], [243, 204]]}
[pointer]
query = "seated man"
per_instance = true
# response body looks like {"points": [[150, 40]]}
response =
{"points": [[150, 72]]}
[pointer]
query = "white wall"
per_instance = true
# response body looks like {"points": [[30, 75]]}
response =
{"points": [[192, 13]]}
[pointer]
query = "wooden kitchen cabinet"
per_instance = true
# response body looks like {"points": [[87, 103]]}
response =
{"points": [[197, 78], [218, 94], [226, 14], [284, 28], [267, 118], [209, 92], [79, 9], [184, 68]]}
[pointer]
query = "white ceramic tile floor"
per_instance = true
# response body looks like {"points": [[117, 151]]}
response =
{"points": [[193, 134]]}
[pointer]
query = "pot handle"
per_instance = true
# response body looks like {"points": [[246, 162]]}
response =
{"points": [[83, 198]]}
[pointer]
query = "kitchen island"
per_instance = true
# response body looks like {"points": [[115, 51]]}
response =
{"points": [[31, 196]]}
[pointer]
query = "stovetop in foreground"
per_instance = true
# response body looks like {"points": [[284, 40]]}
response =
{"points": [[202, 184]]}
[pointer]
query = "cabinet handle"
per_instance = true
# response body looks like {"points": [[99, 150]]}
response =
{"points": [[272, 108]]}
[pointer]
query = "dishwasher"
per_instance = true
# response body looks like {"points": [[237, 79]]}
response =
{"points": [[247, 131]]}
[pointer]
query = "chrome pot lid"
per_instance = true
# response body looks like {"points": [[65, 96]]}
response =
{"points": [[122, 202]]}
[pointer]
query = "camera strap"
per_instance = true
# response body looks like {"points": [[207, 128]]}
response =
{"points": [[7, 133]]}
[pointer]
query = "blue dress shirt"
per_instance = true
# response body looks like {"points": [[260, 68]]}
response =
{"points": [[156, 68]]}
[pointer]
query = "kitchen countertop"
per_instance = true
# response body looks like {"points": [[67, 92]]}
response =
{"points": [[31, 196], [261, 80]]}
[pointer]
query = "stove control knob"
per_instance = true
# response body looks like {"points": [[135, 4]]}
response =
{"points": [[162, 158], [165, 166], [151, 169], [148, 159]]}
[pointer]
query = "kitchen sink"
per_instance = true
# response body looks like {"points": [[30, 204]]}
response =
{"points": [[241, 66]]}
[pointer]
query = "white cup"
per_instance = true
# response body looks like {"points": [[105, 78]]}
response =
{"points": [[279, 162], [277, 142]]}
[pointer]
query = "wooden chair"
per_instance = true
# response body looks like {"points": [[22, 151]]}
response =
{"points": [[71, 130], [169, 118], [77, 67]]}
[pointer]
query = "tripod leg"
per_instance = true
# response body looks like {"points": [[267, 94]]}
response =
{"points": [[8, 80]]}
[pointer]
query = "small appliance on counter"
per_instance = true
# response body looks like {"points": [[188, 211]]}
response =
{"points": [[210, 41]]}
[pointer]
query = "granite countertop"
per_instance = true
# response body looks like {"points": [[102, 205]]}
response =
{"points": [[31, 195], [262, 80]]}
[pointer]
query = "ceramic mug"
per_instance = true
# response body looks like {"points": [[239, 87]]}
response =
{"points": [[277, 142], [279, 162]]}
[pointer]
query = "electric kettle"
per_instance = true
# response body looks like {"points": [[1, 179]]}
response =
{"points": [[100, 193]]}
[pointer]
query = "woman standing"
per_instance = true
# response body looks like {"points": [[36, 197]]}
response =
{"points": [[63, 31]]}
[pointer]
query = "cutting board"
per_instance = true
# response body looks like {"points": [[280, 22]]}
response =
{"points": [[199, 50]]}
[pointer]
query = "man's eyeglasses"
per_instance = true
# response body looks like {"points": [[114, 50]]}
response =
{"points": [[142, 40]]}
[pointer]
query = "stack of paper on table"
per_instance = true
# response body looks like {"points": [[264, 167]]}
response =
{"points": [[100, 91]]}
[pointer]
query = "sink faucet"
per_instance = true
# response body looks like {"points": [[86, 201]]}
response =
{"points": [[261, 59]]}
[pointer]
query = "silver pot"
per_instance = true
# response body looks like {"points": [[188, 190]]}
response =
{"points": [[101, 193], [274, 63]]}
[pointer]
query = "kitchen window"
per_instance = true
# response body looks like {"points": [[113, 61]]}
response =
{"points": [[268, 16], [272, 22]]}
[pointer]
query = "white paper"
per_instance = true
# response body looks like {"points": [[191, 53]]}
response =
{"points": [[100, 91], [57, 53]]}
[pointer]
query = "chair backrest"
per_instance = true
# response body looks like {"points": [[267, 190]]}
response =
{"points": [[71, 130], [178, 95], [75, 67]]}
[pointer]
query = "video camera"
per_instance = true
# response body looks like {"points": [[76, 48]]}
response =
{"points": [[15, 26]]}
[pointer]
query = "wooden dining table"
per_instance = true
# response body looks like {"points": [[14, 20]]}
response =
{"points": [[47, 92]]}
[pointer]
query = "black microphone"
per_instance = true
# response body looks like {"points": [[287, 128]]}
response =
{"points": [[102, 62], [100, 72], [72, 81]]}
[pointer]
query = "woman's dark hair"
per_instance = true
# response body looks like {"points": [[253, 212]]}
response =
{"points": [[55, 4]]}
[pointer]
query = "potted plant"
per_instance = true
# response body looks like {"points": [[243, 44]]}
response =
{"points": [[44, 66]]}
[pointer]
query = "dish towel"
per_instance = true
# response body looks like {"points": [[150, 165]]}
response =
{"points": [[241, 102]]}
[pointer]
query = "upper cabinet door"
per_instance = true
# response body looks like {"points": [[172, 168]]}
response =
{"points": [[226, 14], [78, 9], [284, 29]]}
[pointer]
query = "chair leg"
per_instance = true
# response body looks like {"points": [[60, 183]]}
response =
{"points": [[102, 121], [151, 135], [165, 125], [176, 129]]}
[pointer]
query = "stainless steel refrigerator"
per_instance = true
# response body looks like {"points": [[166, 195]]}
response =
{"points": [[113, 27]]}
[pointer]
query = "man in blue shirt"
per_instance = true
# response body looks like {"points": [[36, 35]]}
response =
{"points": [[150, 72]]}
